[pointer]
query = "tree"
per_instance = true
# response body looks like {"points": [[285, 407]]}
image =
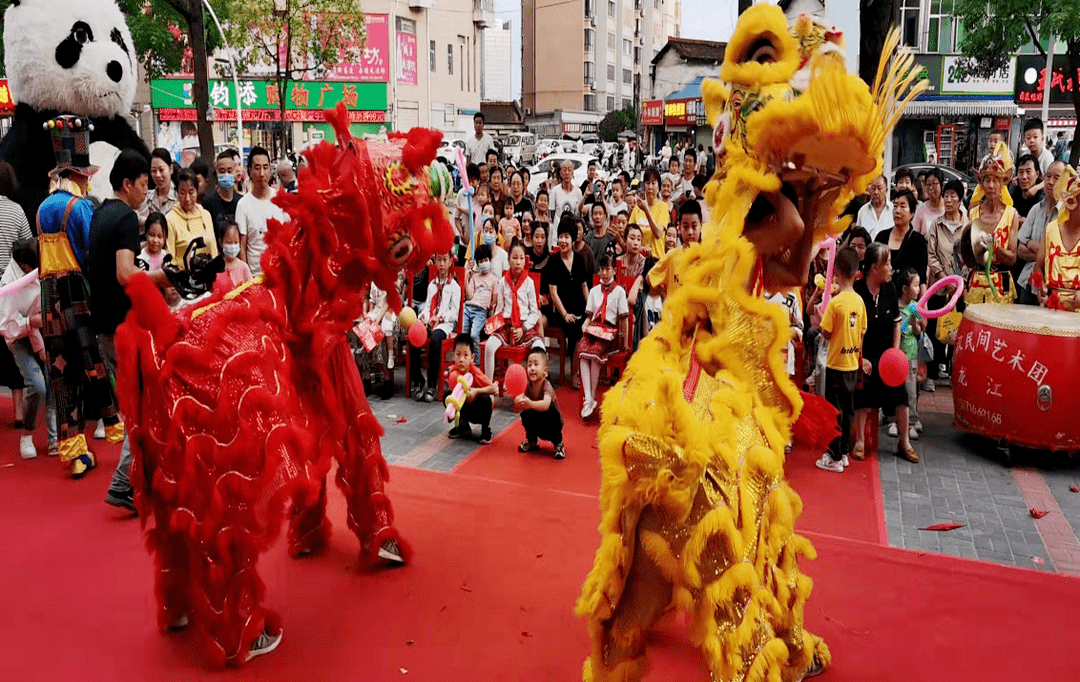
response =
{"points": [[299, 39], [996, 29], [615, 122]]}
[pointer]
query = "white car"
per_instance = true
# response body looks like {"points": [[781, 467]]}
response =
{"points": [[447, 153], [538, 174], [546, 147]]}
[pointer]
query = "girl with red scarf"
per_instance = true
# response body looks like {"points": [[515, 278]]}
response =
{"points": [[605, 312], [519, 310]]}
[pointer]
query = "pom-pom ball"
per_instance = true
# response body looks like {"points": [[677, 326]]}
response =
{"points": [[893, 367], [417, 334], [406, 317], [516, 381]]}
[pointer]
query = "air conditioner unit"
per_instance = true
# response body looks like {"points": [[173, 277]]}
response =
{"points": [[421, 4]]}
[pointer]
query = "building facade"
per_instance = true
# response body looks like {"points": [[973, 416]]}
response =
{"points": [[495, 65], [590, 56]]}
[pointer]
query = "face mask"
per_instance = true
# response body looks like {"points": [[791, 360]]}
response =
{"points": [[485, 267], [231, 250], [226, 181], [489, 239]]}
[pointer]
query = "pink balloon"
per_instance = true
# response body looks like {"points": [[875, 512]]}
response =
{"points": [[417, 334], [893, 367], [516, 381]]}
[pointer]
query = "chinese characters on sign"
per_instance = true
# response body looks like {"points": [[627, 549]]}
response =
{"points": [[1031, 80], [406, 45], [652, 112], [999, 351], [682, 112], [261, 100], [374, 63]]}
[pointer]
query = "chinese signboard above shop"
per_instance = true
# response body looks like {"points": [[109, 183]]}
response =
{"points": [[374, 64], [652, 112], [1031, 80], [683, 112], [955, 81], [261, 101]]}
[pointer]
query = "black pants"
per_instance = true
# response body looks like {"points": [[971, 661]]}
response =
{"points": [[840, 392], [476, 411], [543, 425], [434, 352]]}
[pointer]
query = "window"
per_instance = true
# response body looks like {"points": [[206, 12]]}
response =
{"points": [[637, 56], [611, 41], [940, 33], [590, 73], [627, 47], [590, 9], [611, 104], [656, 4], [611, 72], [626, 103], [909, 22], [627, 77], [590, 102], [431, 55], [405, 25], [450, 59], [589, 33], [611, 9]]}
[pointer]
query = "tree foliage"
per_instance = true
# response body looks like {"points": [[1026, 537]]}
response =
{"points": [[615, 122], [295, 39]]}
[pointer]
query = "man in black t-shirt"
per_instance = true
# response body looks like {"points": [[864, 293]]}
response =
{"points": [[114, 243]]}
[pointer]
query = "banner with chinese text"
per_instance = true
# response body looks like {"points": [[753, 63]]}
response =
{"points": [[374, 64], [406, 71], [260, 100], [652, 112]]}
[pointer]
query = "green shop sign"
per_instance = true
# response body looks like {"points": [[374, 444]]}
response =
{"points": [[260, 100]]}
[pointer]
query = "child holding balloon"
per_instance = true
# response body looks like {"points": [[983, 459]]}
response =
{"points": [[912, 325], [539, 408]]}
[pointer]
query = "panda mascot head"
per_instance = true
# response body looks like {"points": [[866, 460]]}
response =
{"points": [[73, 56], [67, 57]]}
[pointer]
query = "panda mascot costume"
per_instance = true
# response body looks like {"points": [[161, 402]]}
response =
{"points": [[67, 57]]}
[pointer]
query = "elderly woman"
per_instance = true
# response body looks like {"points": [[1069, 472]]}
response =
{"points": [[907, 248], [989, 243]]}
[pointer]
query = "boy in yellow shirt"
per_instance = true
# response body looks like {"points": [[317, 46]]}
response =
{"points": [[843, 325]]}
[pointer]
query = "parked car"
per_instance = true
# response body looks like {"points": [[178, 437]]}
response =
{"points": [[519, 148], [538, 174], [447, 153], [547, 147], [949, 172]]}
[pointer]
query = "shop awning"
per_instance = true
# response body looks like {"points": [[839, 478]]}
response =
{"points": [[955, 107], [690, 91]]}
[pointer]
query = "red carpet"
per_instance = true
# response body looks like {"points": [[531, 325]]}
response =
{"points": [[846, 505]]}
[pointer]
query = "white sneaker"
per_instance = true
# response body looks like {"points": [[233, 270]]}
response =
{"points": [[893, 431], [844, 461], [587, 409], [826, 463], [918, 426], [26, 447], [99, 432], [265, 644], [929, 387], [913, 433]]}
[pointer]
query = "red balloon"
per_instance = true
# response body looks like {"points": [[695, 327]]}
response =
{"points": [[893, 367], [516, 381], [417, 334]]}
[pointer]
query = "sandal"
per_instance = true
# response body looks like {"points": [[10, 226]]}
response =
{"points": [[528, 446], [909, 454], [859, 451]]}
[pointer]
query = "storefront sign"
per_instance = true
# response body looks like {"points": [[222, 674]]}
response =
{"points": [[1031, 80], [953, 80], [374, 64], [406, 46], [261, 99], [652, 112], [269, 115], [7, 105], [683, 112], [579, 127]]}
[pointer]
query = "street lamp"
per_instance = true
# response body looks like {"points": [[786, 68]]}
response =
{"points": [[236, 82]]}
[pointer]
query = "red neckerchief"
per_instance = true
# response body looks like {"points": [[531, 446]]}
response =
{"points": [[433, 311], [601, 314], [515, 312]]}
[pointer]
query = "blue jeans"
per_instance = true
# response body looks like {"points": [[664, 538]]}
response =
{"points": [[36, 390], [472, 323]]}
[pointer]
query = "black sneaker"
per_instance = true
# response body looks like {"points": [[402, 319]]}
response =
{"points": [[528, 446], [429, 396], [265, 644], [485, 435], [391, 553], [417, 392], [123, 500], [459, 431], [559, 452]]}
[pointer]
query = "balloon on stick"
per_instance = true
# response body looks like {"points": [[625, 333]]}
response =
{"points": [[893, 367], [417, 334], [516, 381]]}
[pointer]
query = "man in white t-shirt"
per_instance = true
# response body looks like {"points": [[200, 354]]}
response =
{"points": [[255, 208], [478, 144], [564, 198], [876, 215]]}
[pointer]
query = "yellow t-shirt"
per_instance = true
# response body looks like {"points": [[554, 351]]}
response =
{"points": [[183, 228], [845, 320], [661, 215]]}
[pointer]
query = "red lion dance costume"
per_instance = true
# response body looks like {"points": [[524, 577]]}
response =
{"points": [[237, 407]]}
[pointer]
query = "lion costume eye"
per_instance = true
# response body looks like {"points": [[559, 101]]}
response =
{"points": [[763, 52]]}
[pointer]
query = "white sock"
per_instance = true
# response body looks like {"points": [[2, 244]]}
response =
{"points": [[586, 381]]}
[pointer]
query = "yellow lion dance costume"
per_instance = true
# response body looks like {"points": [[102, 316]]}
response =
{"points": [[697, 516]]}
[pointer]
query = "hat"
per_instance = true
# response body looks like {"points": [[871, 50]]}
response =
{"points": [[71, 144], [1067, 189], [998, 162]]}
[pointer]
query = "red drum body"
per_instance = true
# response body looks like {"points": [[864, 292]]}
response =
{"points": [[1016, 375]]}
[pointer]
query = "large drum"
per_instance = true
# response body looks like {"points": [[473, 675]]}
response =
{"points": [[1016, 375]]}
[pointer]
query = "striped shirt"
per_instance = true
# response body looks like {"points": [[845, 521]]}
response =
{"points": [[13, 225]]}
